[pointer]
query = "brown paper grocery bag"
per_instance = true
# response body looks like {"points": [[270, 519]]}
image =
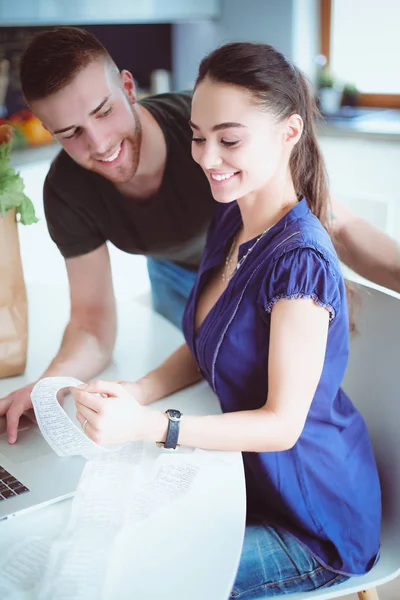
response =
{"points": [[13, 301]]}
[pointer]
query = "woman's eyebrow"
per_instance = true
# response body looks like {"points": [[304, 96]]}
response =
{"points": [[218, 127]]}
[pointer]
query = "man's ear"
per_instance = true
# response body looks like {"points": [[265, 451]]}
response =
{"points": [[128, 85], [294, 129]]}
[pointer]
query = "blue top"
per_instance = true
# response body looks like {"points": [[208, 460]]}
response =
{"points": [[325, 490]]}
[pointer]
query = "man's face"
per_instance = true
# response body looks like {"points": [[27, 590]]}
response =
{"points": [[94, 119]]}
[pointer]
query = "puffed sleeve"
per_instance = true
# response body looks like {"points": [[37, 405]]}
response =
{"points": [[303, 273]]}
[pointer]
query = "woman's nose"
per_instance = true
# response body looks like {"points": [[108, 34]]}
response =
{"points": [[210, 157]]}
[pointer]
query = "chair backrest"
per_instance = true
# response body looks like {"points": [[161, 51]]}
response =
{"points": [[372, 381]]}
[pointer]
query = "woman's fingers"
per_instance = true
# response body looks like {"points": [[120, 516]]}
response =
{"points": [[106, 411], [83, 413], [110, 388], [88, 427], [88, 399]]}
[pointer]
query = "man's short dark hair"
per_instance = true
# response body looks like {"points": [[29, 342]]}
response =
{"points": [[54, 57]]}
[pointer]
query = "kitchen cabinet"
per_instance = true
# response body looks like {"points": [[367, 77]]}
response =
{"points": [[363, 175], [60, 12]]}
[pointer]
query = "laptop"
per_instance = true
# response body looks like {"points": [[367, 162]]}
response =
{"points": [[31, 473]]}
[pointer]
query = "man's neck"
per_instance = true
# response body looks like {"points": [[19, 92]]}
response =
{"points": [[141, 186]]}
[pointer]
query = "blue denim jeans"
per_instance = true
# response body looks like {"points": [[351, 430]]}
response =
{"points": [[170, 288], [274, 563]]}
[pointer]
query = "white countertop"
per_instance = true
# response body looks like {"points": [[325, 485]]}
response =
{"points": [[203, 532]]}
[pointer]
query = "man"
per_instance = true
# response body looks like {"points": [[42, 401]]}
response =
{"points": [[126, 175]]}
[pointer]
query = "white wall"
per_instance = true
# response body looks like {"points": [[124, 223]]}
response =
{"points": [[190, 43], [260, 21], [288, 25], [306, 45]]}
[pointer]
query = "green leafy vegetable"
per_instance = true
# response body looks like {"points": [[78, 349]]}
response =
{"points": [[12, 190]]}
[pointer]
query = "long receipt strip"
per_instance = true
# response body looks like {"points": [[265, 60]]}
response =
{"points": [[114, 493], [59, 431]]}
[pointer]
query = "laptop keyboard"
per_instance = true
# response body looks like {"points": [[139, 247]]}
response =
{"points": [[9, 486]]}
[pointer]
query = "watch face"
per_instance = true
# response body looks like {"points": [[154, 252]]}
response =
{"points": [[173, 414]]}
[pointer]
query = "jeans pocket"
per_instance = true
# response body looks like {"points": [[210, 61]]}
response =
{"points": [[318, 579], [336, 579]]}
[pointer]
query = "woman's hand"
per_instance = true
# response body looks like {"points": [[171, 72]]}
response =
{"points": [[113, 414], [134, 388]]}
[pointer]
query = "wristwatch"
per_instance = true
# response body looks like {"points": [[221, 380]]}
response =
{"points": [[174, 422]]}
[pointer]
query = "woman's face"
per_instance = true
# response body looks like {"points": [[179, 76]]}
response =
{"points": [[241, 149]]}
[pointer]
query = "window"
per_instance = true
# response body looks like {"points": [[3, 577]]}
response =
{"points": [[361, 41]]}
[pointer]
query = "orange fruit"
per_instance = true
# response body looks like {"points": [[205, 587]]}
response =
{"points": [[35, 132]]}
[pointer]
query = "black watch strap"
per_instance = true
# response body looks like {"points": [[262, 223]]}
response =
{"points": [[174, 422]]}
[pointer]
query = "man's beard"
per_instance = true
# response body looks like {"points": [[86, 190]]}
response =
{"points": [[136, 143], [126, 171]]}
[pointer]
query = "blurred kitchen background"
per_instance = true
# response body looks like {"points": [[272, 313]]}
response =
{"points": [[349, 49]]}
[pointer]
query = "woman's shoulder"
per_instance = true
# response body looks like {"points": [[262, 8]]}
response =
{"points": [[302, 263], [303, 231]]}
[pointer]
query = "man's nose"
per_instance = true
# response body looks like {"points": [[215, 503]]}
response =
{"points": [[98, 141]]}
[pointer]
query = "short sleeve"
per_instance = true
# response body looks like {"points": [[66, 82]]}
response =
{"points": [[303, 273], [69, 223]]}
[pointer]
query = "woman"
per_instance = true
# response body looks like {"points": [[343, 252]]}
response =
{"points": [[267, 326]]}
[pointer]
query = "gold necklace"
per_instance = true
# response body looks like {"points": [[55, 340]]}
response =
{"points": [[227, 274]]}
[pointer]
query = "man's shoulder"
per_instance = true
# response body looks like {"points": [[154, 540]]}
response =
{"points": [[175, 104], [63, 163]]}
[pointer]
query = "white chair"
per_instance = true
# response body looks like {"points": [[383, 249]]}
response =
{"points": [[372, 381]]}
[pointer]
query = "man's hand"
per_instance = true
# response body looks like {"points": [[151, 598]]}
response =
{"points": [[13, 406]]}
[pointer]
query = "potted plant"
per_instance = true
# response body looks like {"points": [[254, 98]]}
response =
{"points": [[14, 207], [350, 95], [329, 92]]}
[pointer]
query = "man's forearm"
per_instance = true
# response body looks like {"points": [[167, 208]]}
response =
{"points": [[365, 249], [81, 355]]}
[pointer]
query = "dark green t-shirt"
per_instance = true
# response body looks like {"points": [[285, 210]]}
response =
{"points": [[83, 209]]}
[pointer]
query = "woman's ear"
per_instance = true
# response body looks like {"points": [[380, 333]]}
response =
{"points": [[294, 129], [128, 86]]}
